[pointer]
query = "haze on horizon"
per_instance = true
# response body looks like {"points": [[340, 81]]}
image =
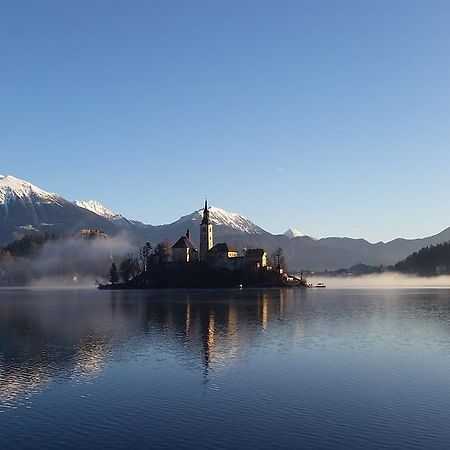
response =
{"points": [[330, 117]]}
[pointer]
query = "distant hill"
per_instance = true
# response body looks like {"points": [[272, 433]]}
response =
{"points": [[432, 260], [26, 208]]}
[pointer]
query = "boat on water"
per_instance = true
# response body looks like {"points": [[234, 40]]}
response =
{"points": [[320, 285]]}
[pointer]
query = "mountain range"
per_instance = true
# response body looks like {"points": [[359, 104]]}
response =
{"points": [[26, 208]]}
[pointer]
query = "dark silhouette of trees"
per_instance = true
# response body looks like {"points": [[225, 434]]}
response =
{"points": [[113, 274], [29, 244], [432, 260], [139, 267], [129, 268], [163, 252], [277, 259]]}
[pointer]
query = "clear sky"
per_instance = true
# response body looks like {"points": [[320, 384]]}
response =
{"points": [[329, 116]]}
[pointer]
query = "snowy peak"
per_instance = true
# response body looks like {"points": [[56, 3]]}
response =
{"points": [[97, 208], [293, 233], [13, 188], [232, 220]]}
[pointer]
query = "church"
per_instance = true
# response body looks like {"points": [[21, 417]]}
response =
{"points": [[220, 255]]}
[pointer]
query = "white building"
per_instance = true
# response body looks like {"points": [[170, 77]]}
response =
{"points": [[206, 234], [184, 250]]}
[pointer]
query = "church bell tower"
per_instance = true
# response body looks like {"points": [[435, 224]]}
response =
{"points": [[206, 234]]}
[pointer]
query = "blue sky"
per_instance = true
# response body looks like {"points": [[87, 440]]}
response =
{"points": [[329, 116]]}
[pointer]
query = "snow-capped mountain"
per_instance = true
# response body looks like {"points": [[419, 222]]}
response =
{"points": [[26, 208], [231, 220], [12, 188], [97, 208], [293, 233], [225, 222]]}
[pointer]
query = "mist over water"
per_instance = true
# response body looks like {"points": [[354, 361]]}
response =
{"points": [[81, 253], [385, 280], [68, 262]]}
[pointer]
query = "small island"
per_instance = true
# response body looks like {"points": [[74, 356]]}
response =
{"points": [[183, 265]]}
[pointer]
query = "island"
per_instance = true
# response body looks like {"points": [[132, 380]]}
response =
{"points": [[183, 265]]}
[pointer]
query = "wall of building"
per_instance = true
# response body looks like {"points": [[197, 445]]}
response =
{"points": [[180, 255], [206, 240]]}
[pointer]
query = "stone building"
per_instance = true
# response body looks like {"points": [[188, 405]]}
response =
{"points": [[89, 233], [222, 255]]}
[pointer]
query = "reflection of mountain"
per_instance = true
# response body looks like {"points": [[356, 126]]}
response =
{"points": [[46, 335]]}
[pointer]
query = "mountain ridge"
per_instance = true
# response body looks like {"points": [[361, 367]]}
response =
{"points": [[26, 208], [293, 233], [97, 208]]}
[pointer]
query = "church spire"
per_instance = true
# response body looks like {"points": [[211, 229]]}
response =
{"points": [[206, 213], [206, 234]]}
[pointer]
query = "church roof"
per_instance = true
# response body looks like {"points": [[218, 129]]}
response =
{"points": [[254, 253], [184, 242], [223, 247]]}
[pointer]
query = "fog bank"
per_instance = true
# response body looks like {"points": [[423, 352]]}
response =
{"points": [[384, 280], [66, 262]]}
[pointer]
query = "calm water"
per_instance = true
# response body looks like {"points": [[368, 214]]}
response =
{"points": [[268, 369]]}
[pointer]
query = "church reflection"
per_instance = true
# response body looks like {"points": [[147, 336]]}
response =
{"points": [[74, 337]]}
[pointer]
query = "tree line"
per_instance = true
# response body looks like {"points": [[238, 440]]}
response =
{"points": [[431, 260]]}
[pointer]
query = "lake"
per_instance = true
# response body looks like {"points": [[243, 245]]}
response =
{"points": [[228, 369]]}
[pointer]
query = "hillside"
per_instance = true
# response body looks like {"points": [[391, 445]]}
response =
{"points": [[25, 208], [432, 260]]}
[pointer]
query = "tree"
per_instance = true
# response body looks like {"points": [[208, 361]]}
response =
{"points": [[431, 260], [113, 274], [277, 258], [144, 256], [163, 251], [129, 268]]}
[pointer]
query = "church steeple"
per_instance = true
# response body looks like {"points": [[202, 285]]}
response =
{"points": [[205, 220], [206, 234]]}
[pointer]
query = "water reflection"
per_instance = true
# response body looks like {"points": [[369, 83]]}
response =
{"points": [[330, 369], [71, 334]]}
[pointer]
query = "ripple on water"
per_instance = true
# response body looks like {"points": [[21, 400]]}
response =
{"points": [[226, 369]]}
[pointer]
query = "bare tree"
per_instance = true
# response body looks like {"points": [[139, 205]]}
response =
{"points": [[277, 258], [144, 256]]}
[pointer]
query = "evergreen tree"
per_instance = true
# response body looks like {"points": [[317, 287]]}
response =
{"points": [[428, 261], [113, 274]]}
